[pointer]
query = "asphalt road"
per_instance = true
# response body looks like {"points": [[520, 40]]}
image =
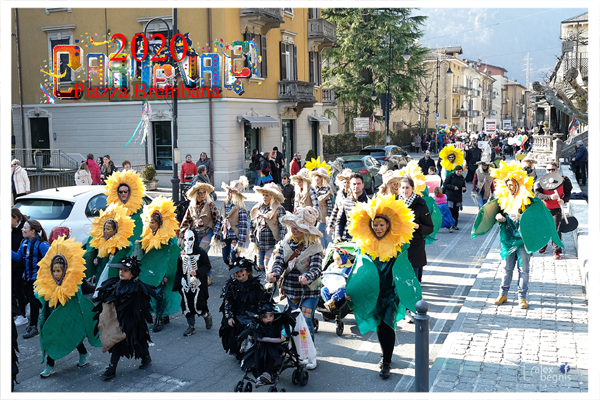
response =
{"points": [[347, 363]]}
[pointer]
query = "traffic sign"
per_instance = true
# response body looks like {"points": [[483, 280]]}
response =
{"points": [[437, 116], [361, 124], [361, 135]]}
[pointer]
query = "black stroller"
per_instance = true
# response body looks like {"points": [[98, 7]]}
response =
{"points": [[284, 353], [341, 309]]}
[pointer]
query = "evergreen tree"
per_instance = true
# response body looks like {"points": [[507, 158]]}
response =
{"points": [[359, 63]]}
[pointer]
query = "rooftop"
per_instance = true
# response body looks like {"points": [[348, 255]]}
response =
{"points": [[583, 17]]}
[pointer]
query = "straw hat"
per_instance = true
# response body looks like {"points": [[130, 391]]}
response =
{"points": [[322, 172], [486, 158], [304, 219], [529, 157], [272, 190], [198, 187], [389, 175], [237, 186], [344, 175], [302, 175]]}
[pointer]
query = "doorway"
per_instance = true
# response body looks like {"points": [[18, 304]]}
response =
{"points": [[40, 138], [251, 142], [287, 136], [315, 137], [163, 147]]}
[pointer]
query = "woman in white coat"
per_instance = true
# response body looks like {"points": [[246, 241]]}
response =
{"points": [[19, 180], [83, 175]]}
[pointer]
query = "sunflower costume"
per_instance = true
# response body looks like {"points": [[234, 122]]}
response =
{"points": [[447, 165], [382, 283], [66, 318], [413, 171], [526, 225]]}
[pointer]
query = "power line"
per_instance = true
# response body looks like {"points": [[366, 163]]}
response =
{"points": [[521, 52]]}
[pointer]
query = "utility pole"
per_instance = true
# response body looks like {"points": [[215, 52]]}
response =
{"points": [[528, 69]]}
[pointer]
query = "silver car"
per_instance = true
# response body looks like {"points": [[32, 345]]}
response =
{"points": [[393, 156], [68, 210]]}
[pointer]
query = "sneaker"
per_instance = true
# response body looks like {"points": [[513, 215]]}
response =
{"points": [[190, 330], [265, 378], [158, 325], [146, 361], [543, 249], [557, 256], [32, 331], [455, 228], [111, 372], [409, 317], [208, 321], [386, 370], [21, 320], [47, 372], [501, 300], [449, 229], [312, 364], [246, 345], [330, 304], [523, 303], [83, 359]]}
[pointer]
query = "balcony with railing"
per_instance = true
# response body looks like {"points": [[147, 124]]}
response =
{"points": [[321, 33], [488, 94], [329, 96], [460, 90], [296, 91], [474, 113], [474, 92], [266, 18], [579, 61]]}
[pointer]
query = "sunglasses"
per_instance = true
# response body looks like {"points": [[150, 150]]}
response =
{"points": [[14, 165], [550, 169], [123, 191]]}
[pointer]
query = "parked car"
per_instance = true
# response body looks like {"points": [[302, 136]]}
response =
{"points": [[393, 156], [368, 167], [68, 210]]}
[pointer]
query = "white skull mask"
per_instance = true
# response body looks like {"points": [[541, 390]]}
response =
{"points": [[189, 240]]}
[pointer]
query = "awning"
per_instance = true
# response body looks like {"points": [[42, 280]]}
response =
{"points": [[260, 122], [320, 120]]}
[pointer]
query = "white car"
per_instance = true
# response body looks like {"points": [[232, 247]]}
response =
{"points": [[66, 210]]}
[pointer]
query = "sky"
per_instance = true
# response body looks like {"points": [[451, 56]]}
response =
{"points": [[500, 36]]}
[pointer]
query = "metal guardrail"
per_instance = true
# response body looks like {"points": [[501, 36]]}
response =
{"points": [[50, 179], [52, 159], [460, 89]]}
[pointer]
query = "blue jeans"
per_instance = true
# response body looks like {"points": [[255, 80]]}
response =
{"points": [[262, 255], [257, 181], [228, 252], [520, 257], [480, 200], [308, 307], [326, 239]]}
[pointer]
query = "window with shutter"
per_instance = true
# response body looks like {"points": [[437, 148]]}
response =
{"points": [[318, 69], [261, 50], [282, 61], [295, 62], [311, 66], [263, 63]]}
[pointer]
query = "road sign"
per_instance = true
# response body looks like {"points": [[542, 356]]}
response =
{"points": [[361, 124], [361, 135], [437, 116]]}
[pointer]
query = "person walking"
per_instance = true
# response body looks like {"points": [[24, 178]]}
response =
{"points": [[297, 265], [19, 180], [357, 194], [483, 183], [426, 162], [288, 192], [31, 251], [83, 176], [295, 164], [320, 178], [279, 160], [18, 296], [108, 168], [580, 162], [424, 144], [202, 177], [275, 167], [342, 182], [472, 156], [265, 170], [417, 141], [94, 169], [305, 194], [201, 215], [528, 165], [554, 190], [455, 187], [188, 170], [256, 160], [204, 160]]}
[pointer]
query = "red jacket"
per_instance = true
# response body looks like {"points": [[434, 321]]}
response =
{"points": [[188, 171], [294, 167], [94, 171]]}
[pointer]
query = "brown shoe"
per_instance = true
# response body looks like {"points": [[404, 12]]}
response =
{"points": [[501, 300], [523, 302]]}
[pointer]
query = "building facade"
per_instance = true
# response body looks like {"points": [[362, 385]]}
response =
{"points": [[282, 102]]}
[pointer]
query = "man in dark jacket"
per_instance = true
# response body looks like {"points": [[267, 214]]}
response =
{"points": [[426, 162], [455, 186], [288, 192], [204, 160], [357, 194], [472, 157], [279, 160], [554, 194], [580, 162]]}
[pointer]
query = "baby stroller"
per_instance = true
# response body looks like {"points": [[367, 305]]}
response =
{"points": [[342, 308], [285, 353]]}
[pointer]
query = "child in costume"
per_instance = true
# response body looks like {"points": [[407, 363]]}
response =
{"points": [[450, 157], [382, 283], [242, 293], [334, 279], [122, 316], [232, 225], [193, 267], [526, 225], [391, 182], [320, 177], [66, 318], [264, 344], [440, 199], [342, 181]]}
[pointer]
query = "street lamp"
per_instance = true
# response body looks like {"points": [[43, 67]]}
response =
{"points": [[437, 81], [373, 95]]}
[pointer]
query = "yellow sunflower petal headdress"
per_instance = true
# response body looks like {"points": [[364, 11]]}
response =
{"points": [[458, 160], [69, 254], [115, 218], [314, 164], [163, 213], [136, 190], [399, 217], [522, 187], [413, 171]]}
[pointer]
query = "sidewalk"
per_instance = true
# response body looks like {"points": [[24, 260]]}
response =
{"points": [[506, 349]]}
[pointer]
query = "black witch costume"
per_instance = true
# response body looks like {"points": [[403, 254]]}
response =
{"points": [[122, 316], [238, 298]]}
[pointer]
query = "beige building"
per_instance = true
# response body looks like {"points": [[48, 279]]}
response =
{"points": [[283, 104]]}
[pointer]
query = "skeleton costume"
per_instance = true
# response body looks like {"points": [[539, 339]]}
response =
{"points": [[193, 288]]}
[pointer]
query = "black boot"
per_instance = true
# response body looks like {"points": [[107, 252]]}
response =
{"points": [[158, 325], [208, 320], [110, 372], [166, 320], [146, 361]]}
